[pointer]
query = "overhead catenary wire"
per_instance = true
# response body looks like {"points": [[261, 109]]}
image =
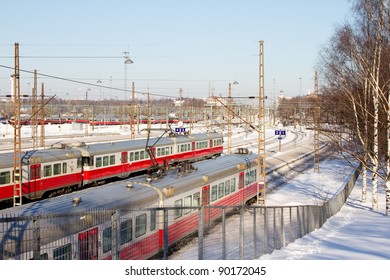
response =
{"points": [[87, 83]]}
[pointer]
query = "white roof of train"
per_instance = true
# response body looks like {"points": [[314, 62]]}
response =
{"points": [[118, 195]]}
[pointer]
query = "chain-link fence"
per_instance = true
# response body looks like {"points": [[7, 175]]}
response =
{"points": [[205, 232]]}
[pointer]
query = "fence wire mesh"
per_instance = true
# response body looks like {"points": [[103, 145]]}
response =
{"points": [[206, 232]]}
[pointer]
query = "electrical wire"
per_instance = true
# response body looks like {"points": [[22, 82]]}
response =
{"points": [[86, 83]]}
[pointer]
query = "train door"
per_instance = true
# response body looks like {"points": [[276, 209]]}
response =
{"points": [[35, 180], [124, 159], [241, 186], [206, 203], [88, 244]]}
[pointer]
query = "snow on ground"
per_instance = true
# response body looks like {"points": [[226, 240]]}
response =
{"points": [[355, 233]]}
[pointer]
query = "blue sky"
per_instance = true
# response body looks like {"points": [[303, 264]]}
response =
{"points": [[174, 44]]}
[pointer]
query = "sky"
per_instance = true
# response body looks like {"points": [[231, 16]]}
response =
{"points": [[199, 46]]}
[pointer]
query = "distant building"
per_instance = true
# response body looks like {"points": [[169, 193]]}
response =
{"points": [[178, 103]]}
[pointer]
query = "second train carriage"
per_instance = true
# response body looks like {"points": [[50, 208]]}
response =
{"points": [[227, 180], [65, 167], [43, 172]]}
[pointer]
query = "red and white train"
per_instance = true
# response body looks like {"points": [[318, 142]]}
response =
{"points": [[139, 225], [64, 168]]}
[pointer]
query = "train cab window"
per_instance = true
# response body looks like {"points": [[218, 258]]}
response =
{"points": [[89, 161], [98, 162], [56, 168], [196, 199], [220, 190], [107, 239], [232, 185], [140, 225], [64, 167], [47, 170], [79, 162], [126, 231], [112, 160], [214, 193], [227, 187], [105, 161], [63, 252], [153, 219], [178, 210], [187, 203], [5, 177]]}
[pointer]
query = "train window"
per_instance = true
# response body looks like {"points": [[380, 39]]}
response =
{"points": [[227, 187], [47, 170], [188, 147], [126, 231], [187, 203], [153, 219], [142, 154], [112, 160], [136, 156], [105, 161], [63, 252], [56, 168], [246, 178], [232, 185], [171, 150], [64, 167], [5, 177], [214, 193], [79, 162], [178, 210], [167, 151], [163, 151], [140, 225], [107, 239], [196, 199], [220, 190], [131, 156], [98, 162]]}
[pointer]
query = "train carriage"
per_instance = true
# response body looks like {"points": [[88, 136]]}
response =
{"points": [[80, 234], [65, 167], [44, 172]]}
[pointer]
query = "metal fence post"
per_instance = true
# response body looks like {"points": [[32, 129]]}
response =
{"points": [[265, 231], [282, 227], [242, 232], [166, 243], [115, 235], [254, 234], [223, 234], [200, 232], [36, 239]]}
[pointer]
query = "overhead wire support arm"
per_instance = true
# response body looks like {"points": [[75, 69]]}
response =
{"points": [[234, 113]]}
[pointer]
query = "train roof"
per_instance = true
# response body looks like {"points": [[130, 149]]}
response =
{"points": [[119, 195], [39, 156], [138, 144]]}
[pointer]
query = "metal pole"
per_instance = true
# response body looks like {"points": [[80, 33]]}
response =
{"points": [[223, 235], [166, 244], [241, 233], [261, 141], [37, 240], [200, 232]]}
